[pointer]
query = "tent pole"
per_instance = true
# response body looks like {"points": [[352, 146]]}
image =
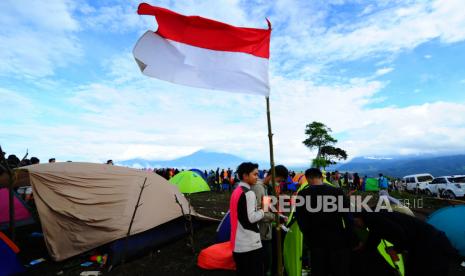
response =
{"points": [[276, 190], [138, 204]]}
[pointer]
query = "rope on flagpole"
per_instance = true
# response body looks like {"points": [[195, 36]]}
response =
{"points": [[276, 191]]}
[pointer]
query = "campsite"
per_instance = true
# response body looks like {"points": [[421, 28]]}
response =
{"points": [[191, 220], [203, 137]]}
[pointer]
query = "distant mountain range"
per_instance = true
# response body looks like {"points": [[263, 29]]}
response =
{"points": [[396, 166], [200, 159], [399, 166]]}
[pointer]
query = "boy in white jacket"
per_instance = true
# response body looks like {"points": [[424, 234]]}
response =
{"points": [[245, 234]]}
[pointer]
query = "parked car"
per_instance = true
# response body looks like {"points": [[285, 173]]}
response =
{"points": [[438, 185], [455, 188], [417, 182]]}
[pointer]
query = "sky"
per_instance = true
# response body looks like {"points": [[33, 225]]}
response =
{"points": [[388, 78]]}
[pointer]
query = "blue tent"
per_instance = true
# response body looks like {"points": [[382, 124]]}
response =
{"points": [[145, 242], [9, 262], [223, 232], [199, 172], [451, 220]]}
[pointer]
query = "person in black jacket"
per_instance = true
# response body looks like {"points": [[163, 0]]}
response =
{"points": [[326, 234], [426, 251], [357, 183]]}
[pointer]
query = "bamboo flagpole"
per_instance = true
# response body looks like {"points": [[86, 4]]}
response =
{"points": [[276, 189]]}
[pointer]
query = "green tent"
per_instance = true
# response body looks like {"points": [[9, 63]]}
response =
{"points": [[371, 185], [189, 182]]}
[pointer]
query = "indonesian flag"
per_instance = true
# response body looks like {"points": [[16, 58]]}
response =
{"points": [[199, 52]]}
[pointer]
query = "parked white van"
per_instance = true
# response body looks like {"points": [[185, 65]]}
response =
{"points": [[418, 182], [447, 186], [455, 188], [438, 185]]}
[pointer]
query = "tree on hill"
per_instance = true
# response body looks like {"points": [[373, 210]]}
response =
{"points": [[319, 138], [332, 154]]}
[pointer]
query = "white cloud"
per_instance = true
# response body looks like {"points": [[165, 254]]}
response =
{"points": [[156, 120], [384, 71], [14, 106], [294, 103], [36, 38], [427, 128], [158, 152], [378, 158], [55, 15], [381, 33], [428, 56], [367, 10], [126, 115], [121, 16]]}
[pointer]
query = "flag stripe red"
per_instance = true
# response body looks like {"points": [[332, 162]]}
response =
{"points": [[209, 34]]}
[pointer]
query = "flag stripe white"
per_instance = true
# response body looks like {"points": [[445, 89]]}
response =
{"points": [[199, 67]]}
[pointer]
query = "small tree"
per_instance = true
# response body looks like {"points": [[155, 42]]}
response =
{"points": [[332, 154], [319, 138]]}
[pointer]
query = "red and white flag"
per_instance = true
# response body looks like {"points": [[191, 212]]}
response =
{"points": [[200, 52]]}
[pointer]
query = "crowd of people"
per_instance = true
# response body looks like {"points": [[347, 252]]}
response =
{"points": [[227, 179], [335, 243], [220, 179], [25, 193]]}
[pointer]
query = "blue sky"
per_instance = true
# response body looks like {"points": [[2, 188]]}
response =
{"points": [[386, 76]]}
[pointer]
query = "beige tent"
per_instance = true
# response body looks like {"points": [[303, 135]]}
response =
{"points": [[83, 205]]}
